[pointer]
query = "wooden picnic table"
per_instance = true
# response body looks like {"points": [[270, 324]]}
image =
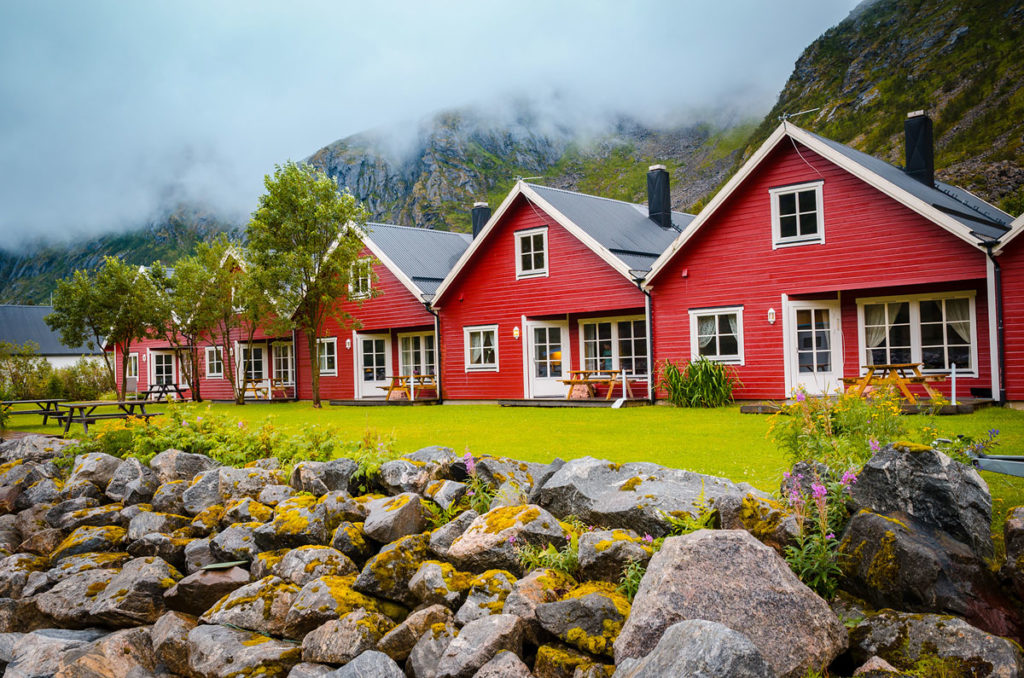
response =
{"points": [[44, 406], [159, 392], [265, 389], [900, 375], [408, 384], [85, 413], [590, 379]]}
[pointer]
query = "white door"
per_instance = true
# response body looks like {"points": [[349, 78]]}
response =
{"points": [[254, 364], [547, 358], [373, 360], [815, 346]]}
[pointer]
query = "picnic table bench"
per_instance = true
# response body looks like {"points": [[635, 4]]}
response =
{"points": [[44, 406], [264, 389], [408, 385], [159, 392], [85, 413], [583, 383], [900, 375]]}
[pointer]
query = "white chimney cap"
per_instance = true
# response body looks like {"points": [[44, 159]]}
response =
{"points": [[915, 114], [479, 204], [655, 167]]}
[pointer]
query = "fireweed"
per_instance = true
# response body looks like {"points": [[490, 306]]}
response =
{"points": [[820, 515]]}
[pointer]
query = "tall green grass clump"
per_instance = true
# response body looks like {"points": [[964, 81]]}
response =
{"points": [[702, 383]]}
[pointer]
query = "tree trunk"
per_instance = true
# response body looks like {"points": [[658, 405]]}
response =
{"points": [[123, 390], [194, 373], [314, 366]]}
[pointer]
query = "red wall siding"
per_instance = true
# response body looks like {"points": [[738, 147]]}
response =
{"points": [[872, 245], [487, 293], [1011, 263]]}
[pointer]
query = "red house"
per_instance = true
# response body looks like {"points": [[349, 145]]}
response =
{"points": [[394, 330], [1008, 266], [816, 260], [550, 284]]}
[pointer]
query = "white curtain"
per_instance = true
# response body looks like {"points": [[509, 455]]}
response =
{"points": [[733, 326], [705, 330], [958, 313], [874, 325]]}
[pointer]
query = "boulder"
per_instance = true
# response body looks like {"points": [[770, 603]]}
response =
{"points": [[727, 576], [173, 465], [272, 495], [29, 521], [96, 468], [899, 563], [443, 537], [632, 496], [322, 600], [208, 521], [33, 447], [339, 641], [197, 554], [339, 506], [246, 510], [260, 606], [438, 458], [497, 471], [308, 476], [149, 522], [37, 654], [350, 540], [80, 488], [265, 563], [86, 562], [169, 636], [9, 535], [123, 653], [370, 664], [199, 591], [426, 653], [560, 661], [699, 649], [235, 483], [218, 651], [45, 491], [541, 476], [88, 539], [445, 493], [394, 517], [487, 594], [99, 516], [136, 594], [337, 475], [401, 476], [307, 563], [478, 642], [387, 574], [14, 572], [309, 670], [291, 528], [132, 483], [235, 542], [769, 520], [55, 515], [504, 665], [932, 489], [605, 554], [202, 493], [163, 546], [69, 603], [399, 641], [589, 617], [439, 583], [939, 645], [538, 587], [491, 540], [22, 616], [1013, 537]]}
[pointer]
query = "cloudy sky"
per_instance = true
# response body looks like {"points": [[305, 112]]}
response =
{"points": [[110, 111]]}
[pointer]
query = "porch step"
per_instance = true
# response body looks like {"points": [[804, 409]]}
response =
{"points": [[562, 402], [381, 402]]}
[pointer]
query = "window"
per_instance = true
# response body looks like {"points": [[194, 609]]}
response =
{"points": [[252, 362], [531, 253], [615, 345], [481, 348], [417, 354], [281, 359], [797, 217], [329, 357], [717, 334], [133, 366], [375, 359], [214, 362], [163, 368], [361, 275], [936, 331]]}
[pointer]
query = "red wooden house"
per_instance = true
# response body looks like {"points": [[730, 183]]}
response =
{"points": [[1008, 269], [816, 260], [550, 284], [394, 332]]}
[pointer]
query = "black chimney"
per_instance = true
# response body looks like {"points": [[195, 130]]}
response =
{"points": [[659, 206], [481, 215], [917, 129]]}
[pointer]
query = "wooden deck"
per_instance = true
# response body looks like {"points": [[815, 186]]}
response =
{"points": [[963, 406], [383, 402], [562, 402]]}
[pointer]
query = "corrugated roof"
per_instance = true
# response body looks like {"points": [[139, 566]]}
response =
{"points": [[622, 227], [424, 255], [19, 324], [985, 221]]}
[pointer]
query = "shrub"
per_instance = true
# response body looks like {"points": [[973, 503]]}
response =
{"points": [[702, 383], [629, 583]]}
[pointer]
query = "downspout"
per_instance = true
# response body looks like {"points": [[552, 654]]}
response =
{"points": [[437, 350], [997, 274], [295, 367], [649, 319]]}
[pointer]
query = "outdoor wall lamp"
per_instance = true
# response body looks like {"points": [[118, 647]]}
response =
{"points": [[771, 316], [348, 344], [515, 332]]}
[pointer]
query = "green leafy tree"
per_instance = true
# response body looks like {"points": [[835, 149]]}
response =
{"points": [[304, 238], [116, 305]]}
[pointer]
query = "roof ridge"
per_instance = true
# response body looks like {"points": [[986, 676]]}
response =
{"points": [[415, 228], [25, 306], [639, 205]]}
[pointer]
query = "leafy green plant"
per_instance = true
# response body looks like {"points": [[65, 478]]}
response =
{"points": [[480, 494], [962, 447], [629, 582], [373, 450], [438, 516], [565, 559], [702, 383], [820, 515]]}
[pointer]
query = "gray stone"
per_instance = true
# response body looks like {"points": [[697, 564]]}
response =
{"points": [[400, 476], [542, 476], [22, 616], [438, 458], [932, 489], [171, 465], [199, 591], [14, 572], [490, 541], [339, 506], [31, 520], [478, 642], [388, 573], [45, 491], [123, 653], [445, 493], [699, 649], [1013, 537], [96, 468], [37, 654], [487, 594], [218, 651], [86, 562], [167, 498], [260, 606], [393, 517], [169, 636], [291, 528], [34, 447], [307, 563], [504, 665], [443, 537], [55, 515], [132, 483], [399, 641], [350, 540], [100, 516], [589, 619], [7, 643], [320, 601], [632, 496], [308, 476], [339, 641], [89, 539], [370, 664], [426, 654], [246, 510], [904, 639], [202, 493], [496, 471], [432, 584], [235, 483], [163, 546], [309, 670], [236, 542], [136, 594], [148, 522], [876, 667], [272, 495], [69, 603], [338, 474], [727, 576], [538, 587], [605, 554], [197, 554], [80, 488]]}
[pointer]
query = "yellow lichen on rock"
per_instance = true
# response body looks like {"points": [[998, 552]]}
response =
{"points": [[508, 516]]}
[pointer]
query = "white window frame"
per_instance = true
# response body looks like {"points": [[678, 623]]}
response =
{"points": [[322, 357], [467, 331], [914, 301], [290, 360], [424, 352], [616, 355], [816, 239], [217, 353], [361, 279], [697, 313], [132, 371], [532, 273]]}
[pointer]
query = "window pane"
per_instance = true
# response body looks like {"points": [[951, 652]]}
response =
{"points": [[931, 312], [808, 201], [903, 315], [900, 355], [787, 227], [961, 356], [787, 204], [728, 345], [526, 262], [931, 335], [808, 224], [899, 335]]}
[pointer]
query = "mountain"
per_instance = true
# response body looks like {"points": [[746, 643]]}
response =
{"points": [[961, 61]]}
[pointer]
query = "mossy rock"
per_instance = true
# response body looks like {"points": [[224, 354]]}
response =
{"points": [[560, 661], [88, 539], [322, 600], [387, 575]]}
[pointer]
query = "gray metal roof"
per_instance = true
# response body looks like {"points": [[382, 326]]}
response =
{"points": [[985, 221], [424, 255], [623, 227], [19, 324]]}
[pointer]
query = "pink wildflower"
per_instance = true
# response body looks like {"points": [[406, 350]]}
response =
{"points": [[849, 478], [801, 396], [199, 420], [241, 424], [470, 493], [470, 464], [830, 535], [818, 490], [648, 538], [875, 446], [512, 539]]}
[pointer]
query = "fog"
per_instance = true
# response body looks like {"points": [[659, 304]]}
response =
{"points": [[113, 112]]}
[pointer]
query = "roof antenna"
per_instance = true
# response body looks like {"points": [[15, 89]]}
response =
{"points": [[786, 116]]}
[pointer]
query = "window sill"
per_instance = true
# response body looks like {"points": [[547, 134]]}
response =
{"points": [[479, 368], [527, 276], [796, 242]]}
